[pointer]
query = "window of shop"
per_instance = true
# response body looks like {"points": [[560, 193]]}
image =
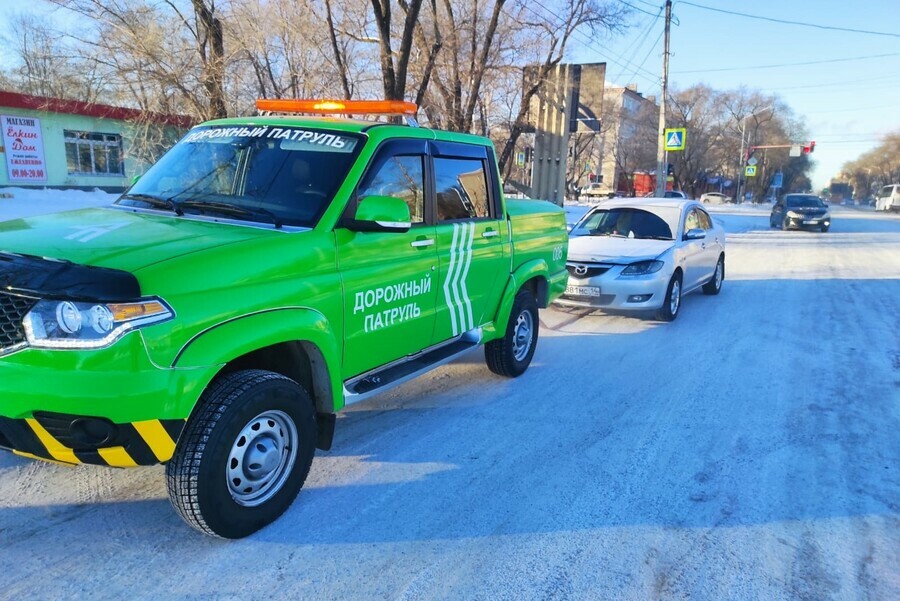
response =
{"points": [[91, 153]]}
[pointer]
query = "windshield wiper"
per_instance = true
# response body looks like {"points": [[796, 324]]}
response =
{"points": [[156, 201], [654, 237], [230, 209]]}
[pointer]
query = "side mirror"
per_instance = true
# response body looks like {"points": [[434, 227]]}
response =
{"points": [[695, 234], [380, 214]]}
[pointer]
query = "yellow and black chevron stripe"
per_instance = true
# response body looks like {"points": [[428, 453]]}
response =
{"points": [[136, 443]]}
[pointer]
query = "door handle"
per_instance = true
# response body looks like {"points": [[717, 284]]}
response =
{"points": [[422, 243], [490, 233]]}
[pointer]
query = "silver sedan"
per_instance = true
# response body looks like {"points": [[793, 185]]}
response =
{"points": [[643, 254]]}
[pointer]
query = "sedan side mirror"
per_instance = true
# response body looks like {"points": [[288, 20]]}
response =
{"points": [[695, 234], [380, 214]]}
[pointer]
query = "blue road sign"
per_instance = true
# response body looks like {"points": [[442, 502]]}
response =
{"points": [[779, 178], [675, 138]]}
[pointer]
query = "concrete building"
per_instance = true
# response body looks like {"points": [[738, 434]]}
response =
{"points": [[622, 149], [49, 142]]}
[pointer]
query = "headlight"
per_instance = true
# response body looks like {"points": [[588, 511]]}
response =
{"points": [[71, 324], [794, 215], [643, 268]]}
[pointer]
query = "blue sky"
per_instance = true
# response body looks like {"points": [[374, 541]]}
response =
{"points": [[846, 105]]}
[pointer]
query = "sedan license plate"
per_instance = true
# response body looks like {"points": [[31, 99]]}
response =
{"points": [[809, 222], [582, 291]]}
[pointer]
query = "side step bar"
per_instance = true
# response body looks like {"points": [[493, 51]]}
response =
{"points": [[393, 374]]}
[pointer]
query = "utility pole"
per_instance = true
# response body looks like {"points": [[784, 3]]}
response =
{"points": [[661, 167]]}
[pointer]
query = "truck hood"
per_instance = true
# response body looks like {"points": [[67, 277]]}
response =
{"points": [[116, 238], [606, 249]]}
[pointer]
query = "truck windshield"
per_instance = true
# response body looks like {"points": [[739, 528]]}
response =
{"points": [[281, 175]]}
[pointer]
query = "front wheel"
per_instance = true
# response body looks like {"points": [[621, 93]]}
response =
{"points": [[824, 228], [785, 225], [244, 454], [714, 285], [511, 355], [669, 311]]}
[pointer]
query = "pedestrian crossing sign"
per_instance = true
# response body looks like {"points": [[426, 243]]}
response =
{"points": [[675, 138], [750, 171]]}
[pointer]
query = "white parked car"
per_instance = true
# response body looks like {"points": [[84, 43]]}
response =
{"points": [[645, 254], [715, 198], [595, 190], [888, 198]]}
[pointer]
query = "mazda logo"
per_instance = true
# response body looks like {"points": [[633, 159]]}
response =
{"points": [[581, 270]]}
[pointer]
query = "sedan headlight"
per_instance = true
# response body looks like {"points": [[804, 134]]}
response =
{"points": [[643, 268], [794, 215], [73, 324]]}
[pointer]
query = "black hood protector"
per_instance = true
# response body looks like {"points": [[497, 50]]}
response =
{"points": [[50, 278]]}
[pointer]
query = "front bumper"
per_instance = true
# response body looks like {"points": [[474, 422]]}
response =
{"points": [[109, 406], [619, 292], [808, 222]]}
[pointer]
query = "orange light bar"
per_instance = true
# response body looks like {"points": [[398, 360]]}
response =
{"points": [[339, 107]]}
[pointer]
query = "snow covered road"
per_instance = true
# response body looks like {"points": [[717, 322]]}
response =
{"points": [[748, 450]]}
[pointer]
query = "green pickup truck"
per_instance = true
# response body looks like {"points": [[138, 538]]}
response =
{"points": [[263, 274]]}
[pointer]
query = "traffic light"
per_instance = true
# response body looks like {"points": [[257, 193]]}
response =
{"points": [[670, 169], [809, 147]]}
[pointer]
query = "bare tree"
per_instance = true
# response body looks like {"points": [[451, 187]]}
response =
{"points": [[555, 33]]}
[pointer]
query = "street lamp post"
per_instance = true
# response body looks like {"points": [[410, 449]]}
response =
{"points": [[740, 171]]}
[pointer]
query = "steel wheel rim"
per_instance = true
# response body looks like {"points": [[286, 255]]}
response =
{"points": [[261, 458], [522, 335], [675, 297], [718, 275]]}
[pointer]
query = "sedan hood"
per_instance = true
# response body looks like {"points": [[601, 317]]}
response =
{"points": [[608, 249], [117, 239]]}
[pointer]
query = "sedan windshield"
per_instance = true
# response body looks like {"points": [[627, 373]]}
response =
{"points": [[624, 222], [804, 201], [279, 175]]}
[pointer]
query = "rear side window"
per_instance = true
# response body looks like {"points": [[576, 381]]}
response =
{"points": [[403, 177], [705, 221], [461, 188]]}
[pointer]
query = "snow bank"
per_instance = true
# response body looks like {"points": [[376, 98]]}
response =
{"points": [[27, 202]]}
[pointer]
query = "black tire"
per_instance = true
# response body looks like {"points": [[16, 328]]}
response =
{"points": [[714, 285], [507, 356], [772, 222], [278, 417], [824, 228], [785, 225], [670, 309]]}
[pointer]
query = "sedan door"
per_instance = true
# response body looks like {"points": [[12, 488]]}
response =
{"points": [[713, 245], [693, 252]]}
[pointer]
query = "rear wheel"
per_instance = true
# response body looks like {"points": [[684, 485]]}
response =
{"points": [[714, 285], [511, 355], [669, 311], [244, 454]]}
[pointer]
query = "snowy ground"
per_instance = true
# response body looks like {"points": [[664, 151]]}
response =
{"points": [[749, 450], [26, 202]]}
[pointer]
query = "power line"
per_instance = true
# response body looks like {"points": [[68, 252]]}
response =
{"points": [[588, 42], [642, 38], [785, 22], [640, 10], [852, 110], [822, 62]]}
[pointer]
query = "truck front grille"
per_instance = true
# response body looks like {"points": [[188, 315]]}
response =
{"points": [[12, 312]]}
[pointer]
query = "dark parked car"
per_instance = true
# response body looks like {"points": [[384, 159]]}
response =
{"points": [[799, 211]]}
